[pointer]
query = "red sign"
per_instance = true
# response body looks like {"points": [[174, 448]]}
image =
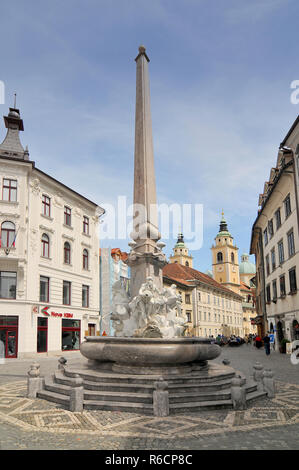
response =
{"points": [[55, 314]]}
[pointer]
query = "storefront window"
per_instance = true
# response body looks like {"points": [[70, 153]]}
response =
{"points": [[70, 335]]}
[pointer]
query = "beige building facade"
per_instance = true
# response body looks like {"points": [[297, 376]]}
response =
{"points": [[211, 308], [275, 242]]}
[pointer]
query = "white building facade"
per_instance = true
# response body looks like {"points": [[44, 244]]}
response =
{"points": [[49, 264]]}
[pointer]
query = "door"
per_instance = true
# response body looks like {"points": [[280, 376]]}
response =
{"points": [[11, 343]]}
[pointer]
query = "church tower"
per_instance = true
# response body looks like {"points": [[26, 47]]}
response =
{"points": [[181, 253], [225, 259]]}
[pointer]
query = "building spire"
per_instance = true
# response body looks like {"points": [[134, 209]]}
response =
{"points": [[11, 145]]}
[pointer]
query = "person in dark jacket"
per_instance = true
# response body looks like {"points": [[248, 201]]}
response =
{"points": [[266, 340]]}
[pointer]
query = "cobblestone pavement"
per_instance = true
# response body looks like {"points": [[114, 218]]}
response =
{"points": [[37, 424]]}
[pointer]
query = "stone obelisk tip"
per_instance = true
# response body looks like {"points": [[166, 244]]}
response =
{"points": [[141, 50]]}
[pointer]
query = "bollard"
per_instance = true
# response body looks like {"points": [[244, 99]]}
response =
{"points": [[34, 381], [238, 393], [161, 398], [77, 394], [62, 364], [258, 372], [268, 383]]}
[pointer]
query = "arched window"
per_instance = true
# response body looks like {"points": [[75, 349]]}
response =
{"points": [[45, 245], [219, 257], [85, 259], [187, 263], [8, 232], [232, 257], [67, 253]]}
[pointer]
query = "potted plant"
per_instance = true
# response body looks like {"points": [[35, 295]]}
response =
{"points": [[282, 347]]}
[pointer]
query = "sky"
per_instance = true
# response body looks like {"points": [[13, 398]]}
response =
{"points": [[220, 82]]}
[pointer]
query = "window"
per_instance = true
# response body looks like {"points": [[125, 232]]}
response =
{"points": [[85, 259], [67, 216], [268, 293], [8, 233], [8, 285], [232, 257], [66, 295], [44, 283], [270, 228], [291, 243], [67, 253], [70, 335], [293, 282], [278, 219], [219, 257], [266, 236], [267, 265], [280, 252], [85, 296], [282, 286], [188, 314], [287, 206], [274, 288], [187, 298], [199, 296], [46, 206], [273, 260], [86, 225], [45, 246], [42, 335], [9, 191]]}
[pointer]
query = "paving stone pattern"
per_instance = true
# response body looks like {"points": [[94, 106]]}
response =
{"points": [[37, 424]]}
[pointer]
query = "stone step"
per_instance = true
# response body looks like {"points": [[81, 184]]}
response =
{"points": [[189, 407], [57, 387], [218, 395], [54, 397], [138, 408], [147, 379], [128, 397], [146, 388], [256, 395]]}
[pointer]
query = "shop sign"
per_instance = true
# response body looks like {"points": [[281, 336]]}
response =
{"points": [[45, 311]]}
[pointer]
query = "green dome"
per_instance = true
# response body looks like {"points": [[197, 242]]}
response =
{"points": [[209, 273], [246, 267]]}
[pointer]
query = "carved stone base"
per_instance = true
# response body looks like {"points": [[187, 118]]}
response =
{"points": [[163, 369]]}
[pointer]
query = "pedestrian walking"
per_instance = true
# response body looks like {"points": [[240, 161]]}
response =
{"points": [[266, 340]]}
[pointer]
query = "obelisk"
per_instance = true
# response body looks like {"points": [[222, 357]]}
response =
{"points": [[146, 258]]}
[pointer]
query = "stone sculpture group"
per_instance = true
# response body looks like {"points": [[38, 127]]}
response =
{"points": [[150, 314]]}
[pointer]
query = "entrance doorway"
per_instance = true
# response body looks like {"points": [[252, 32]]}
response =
{"points": [[9, 336], [295, 330]]}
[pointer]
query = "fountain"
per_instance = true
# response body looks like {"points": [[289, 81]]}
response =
{"points": [[149, 356]]}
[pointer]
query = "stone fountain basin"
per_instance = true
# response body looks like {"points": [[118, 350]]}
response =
{"points": [[149, 351]]}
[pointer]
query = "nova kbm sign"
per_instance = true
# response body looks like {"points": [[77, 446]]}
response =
{"points": [[45, 312]]}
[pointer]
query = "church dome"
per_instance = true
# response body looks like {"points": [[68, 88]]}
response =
{"points": [[246, 267], [209, 273]]}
